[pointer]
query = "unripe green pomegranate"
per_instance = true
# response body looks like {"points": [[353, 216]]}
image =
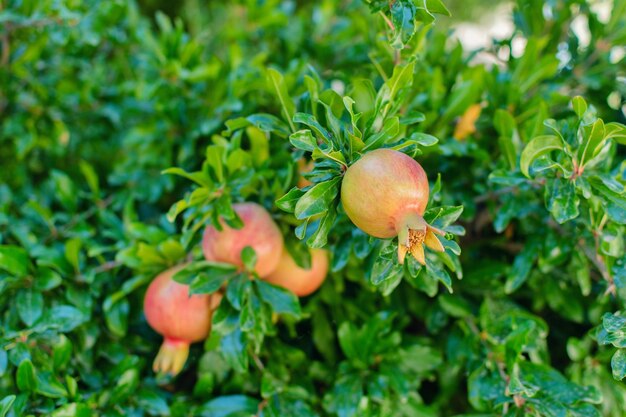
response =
{"points": [[180, 318], [259, 232], [385, 194], [298, 280]]}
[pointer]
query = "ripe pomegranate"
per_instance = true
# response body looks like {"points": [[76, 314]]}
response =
{"points": [[259, 232], [180, 318], [300, 281], [385, 194]]}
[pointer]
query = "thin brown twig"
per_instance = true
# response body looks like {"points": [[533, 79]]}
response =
{"points": [[258, 362]]}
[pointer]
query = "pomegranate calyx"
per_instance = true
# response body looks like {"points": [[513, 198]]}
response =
{"points": [[413, 234], [171, 357]]}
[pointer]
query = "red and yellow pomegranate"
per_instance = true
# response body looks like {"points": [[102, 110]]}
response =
{"points": [[180, 318], [259, 232], [385, 194], [298, 280]]}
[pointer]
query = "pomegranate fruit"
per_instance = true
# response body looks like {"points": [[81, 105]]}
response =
{"points": [[385, 194], [180, 318], [259, 232], [300, 281]]}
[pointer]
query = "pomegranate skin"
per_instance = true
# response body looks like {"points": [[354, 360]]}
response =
{"points": [[180, 318], [259, 232], [172, 313], [301, 282], [381, 189]]}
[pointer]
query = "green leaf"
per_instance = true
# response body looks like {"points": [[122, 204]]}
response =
{"points": [[199, 178], [280, 299], [62, 353], [90, 176], [521, 268], [505, 124], [345, 397], [26, 378], [4, 361], [437, 272], [319, 238], [215, 159], [593, 140], [64, 318], [318, 199], [388, 132], [537, 147], [29, 306], [437, 6], [423, 139], [48, 386], [14, 260], [303, 139], [229, 406], [6, 404], [618, 364], [279, 88], [248, 257], [613, 198], [616, 131], [72, 252], [116, 317], [403, 14], [579, 105], [562, 200], [288, 201], [312, 122], [264, 122], [233, 346]]}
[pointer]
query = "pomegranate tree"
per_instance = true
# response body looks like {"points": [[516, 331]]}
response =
{"points": [[385, 194], [298, 280], [259, 232], [179, 317]]}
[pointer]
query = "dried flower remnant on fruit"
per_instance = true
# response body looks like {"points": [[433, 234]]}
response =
{"points": [[180, 318], [413, 241]]}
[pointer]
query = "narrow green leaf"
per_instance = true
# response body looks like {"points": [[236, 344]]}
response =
{"points": [[437, 6], [317, 199], [616, 131], [579, 105], [26, 378], [6, 404], [303, 139], [288, 201], [593, 140], [199, 178], [389, 131], [279, 87], [281, 300]]}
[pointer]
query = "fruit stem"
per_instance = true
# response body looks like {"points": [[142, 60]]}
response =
{"points": [[171, 357], [413, 234]]}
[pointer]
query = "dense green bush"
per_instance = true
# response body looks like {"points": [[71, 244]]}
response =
{"points": [[122, 136]]}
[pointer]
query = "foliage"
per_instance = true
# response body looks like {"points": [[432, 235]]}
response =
{"points": [[122, 136]]}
